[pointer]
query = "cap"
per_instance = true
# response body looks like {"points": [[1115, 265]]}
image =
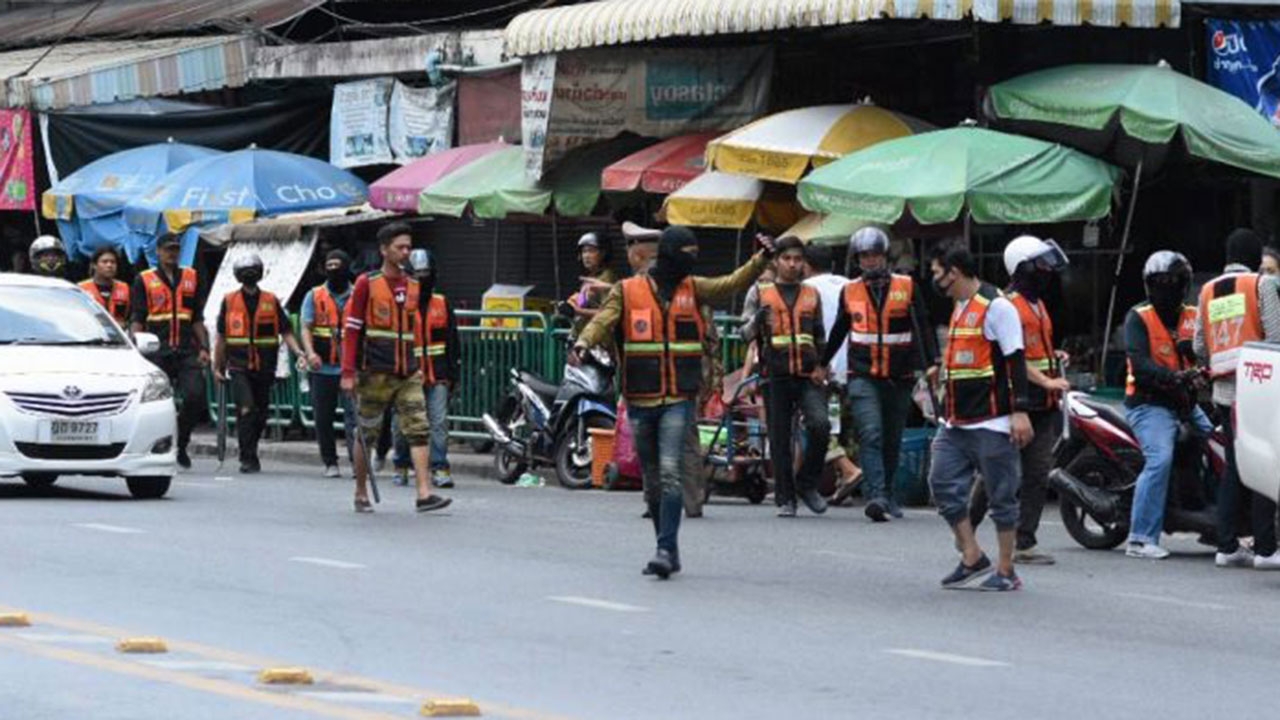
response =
{"points": [[634, 233]]}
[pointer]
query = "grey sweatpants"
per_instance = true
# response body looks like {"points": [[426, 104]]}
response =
{"points": [[956, 455]]}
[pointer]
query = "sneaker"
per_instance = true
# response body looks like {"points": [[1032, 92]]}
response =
{"points": [[1146, 551], [249, 467], [675, 565], [184, 460], [895, 510], [787, 510], [442, 479], [813, 501], [661, 565], [877, 511], [1032, 556], [965, 575], [1242, 558], [996, 582], [1267, 562], [435, 502], [331, 471], [401, 477]]}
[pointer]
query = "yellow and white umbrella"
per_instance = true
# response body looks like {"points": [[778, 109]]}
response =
{"points": [[720, 200], [782, 146]]}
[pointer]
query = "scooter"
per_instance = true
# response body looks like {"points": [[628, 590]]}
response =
{"points": [[550, 424], [1096, 465]]}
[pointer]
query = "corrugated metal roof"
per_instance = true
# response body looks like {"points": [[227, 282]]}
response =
{"points": [[133, 18]]}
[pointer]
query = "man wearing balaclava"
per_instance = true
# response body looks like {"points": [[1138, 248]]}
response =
{"points": [[321, 318], [1237, 307], [661, 332], [441, 361], [1160, 392]]}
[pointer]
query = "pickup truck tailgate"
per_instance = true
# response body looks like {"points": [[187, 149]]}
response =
{"points": [[1258, 418]]}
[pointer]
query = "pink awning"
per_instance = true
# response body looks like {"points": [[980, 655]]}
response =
{"points": [[399, 190], [661, 169]]}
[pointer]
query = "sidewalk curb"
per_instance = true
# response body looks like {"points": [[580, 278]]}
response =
{"points": [[300, 452]]}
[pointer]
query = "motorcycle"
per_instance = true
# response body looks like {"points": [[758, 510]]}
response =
{"points": [[1097, 460], [546, 424]]}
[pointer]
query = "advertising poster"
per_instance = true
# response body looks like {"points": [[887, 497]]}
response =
{"points": [[1242, 57], [537, 78], [421, 120], [358, 126]]}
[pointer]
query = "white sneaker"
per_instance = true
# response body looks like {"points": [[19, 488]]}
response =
{"points": [[1241, 558], [1267, 562], [331, 471], [1146, 551]]}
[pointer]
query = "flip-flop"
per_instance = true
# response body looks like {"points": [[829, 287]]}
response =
{"points": [[363, 505]]}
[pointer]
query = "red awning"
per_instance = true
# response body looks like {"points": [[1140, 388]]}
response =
{"points": [[660, 169]]}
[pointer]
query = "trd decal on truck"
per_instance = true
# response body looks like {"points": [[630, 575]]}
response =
{"points": [[1258, 372]]}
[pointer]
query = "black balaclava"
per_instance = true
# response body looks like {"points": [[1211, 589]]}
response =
{"points": [[1031, 282], [340, 278], [1244, 247], [673, 264]]}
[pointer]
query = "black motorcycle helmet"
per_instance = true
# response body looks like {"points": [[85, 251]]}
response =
{"points": [[1167, 278]]}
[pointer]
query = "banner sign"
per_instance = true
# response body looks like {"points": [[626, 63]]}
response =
{"points": [[658, 93], [1243, 56], [358, 125], [17, 173], [421, 120]]}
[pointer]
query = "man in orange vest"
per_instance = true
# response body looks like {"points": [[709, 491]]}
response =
{"points": [[1237, 307], [382, 364], [112, 294], [1032, 264], [251, 323], [661, 328], [168, 301], [985, 419], [790, 337], [885, 320], [441, 361], [1160, 391], [321, 319]]}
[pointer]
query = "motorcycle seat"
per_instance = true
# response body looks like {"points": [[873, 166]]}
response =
{"points": [[1108, 412], [539, 386]]}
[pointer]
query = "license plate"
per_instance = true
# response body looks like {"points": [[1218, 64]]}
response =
{"points": [[73, 432]]}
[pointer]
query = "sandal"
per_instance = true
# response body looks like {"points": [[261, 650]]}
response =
{"points": [[363, 505]]}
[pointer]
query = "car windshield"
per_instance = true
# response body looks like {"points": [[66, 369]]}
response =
{"points": [[54, 316]]}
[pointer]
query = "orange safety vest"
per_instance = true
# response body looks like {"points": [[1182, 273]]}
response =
{"points": [[791, 349], [392, 332], [662, 348], [977, 376], [1230, 316], [169, 314], [326, 329], [1037, 342], [1163, 347], [880, 341], [435, 340], [116, 302], [253, 343]]}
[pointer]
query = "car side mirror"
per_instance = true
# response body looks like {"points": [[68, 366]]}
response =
{"points": [[146, 343]]}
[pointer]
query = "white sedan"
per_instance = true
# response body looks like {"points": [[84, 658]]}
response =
{"points": [[77, 397]]}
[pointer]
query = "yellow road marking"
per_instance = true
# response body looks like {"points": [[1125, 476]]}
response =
{"points": [[181, 646]]}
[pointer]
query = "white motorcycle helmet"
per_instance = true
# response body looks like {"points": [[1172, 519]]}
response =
{"points": [[54, 255], [1042, 254]]}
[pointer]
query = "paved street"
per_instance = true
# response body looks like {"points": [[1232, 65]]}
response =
{"points": [[530, 602]]}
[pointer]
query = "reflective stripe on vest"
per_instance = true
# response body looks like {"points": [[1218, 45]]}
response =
{"points": [[1230, 316], [662, 347], [880, 337], [326, 328], [977, 379], [252, 342], [1162, 346], [116, 302], [792, 351], [435, 339], [169, 317], [392, 331], [1037, 342]]}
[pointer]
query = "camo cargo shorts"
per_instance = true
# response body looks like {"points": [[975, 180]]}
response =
{"points": [[375, 392]]}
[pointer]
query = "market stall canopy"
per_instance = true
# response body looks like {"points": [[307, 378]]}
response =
{"points": [[239, 186], [721, 200], [996, 177], [1133, 113], [824, 229], [782, 146], [495, 185], [661, 169], [400, 189], [620, 22]]}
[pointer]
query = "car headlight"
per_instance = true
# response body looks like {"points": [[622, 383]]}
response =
{"points": [[157, 388]]}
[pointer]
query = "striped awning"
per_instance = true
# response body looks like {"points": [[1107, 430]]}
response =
{"points": [[619, 22]]}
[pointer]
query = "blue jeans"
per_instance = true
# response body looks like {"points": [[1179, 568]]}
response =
{"points": [[659, 433], [879, 409], [438, 415], [1156, 428]]}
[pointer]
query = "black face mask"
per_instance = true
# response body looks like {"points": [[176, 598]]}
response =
{"points": [[250, 277], [1034, 284], [674, 264], [338, 279], [1166, 297], [942, 289]]}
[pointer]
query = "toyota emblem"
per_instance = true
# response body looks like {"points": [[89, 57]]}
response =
{"points": [[71, 392]]}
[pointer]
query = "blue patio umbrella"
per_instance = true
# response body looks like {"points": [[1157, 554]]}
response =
{"points": [[236, 187], [88, 204]]}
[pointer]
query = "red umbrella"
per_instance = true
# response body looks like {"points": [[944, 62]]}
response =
{"points": [[660, 169]]}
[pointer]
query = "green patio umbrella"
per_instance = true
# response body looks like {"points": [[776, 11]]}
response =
{"points": [[936, 177]]}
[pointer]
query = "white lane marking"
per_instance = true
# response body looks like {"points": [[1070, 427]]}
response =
{"points": [[65, 638], [326, 562], [357, 696], [946, 657], [855, 556], [594, 603], [224, 478], [199, 665], [1173, 601], [196, 483], [119, 529]]}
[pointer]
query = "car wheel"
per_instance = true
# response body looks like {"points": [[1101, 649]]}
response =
{"points": [[40, 480], [148, 488]]}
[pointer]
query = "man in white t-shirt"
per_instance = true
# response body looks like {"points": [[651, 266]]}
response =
{"points": [[986, 421], [817, 274]]}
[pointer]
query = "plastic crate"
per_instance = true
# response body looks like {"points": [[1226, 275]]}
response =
{"points": [[911, 480], [601, 454]]}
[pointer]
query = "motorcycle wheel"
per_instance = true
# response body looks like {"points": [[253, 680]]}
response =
{"points": [[1082, 527], [573, 463], [509, 467]]}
